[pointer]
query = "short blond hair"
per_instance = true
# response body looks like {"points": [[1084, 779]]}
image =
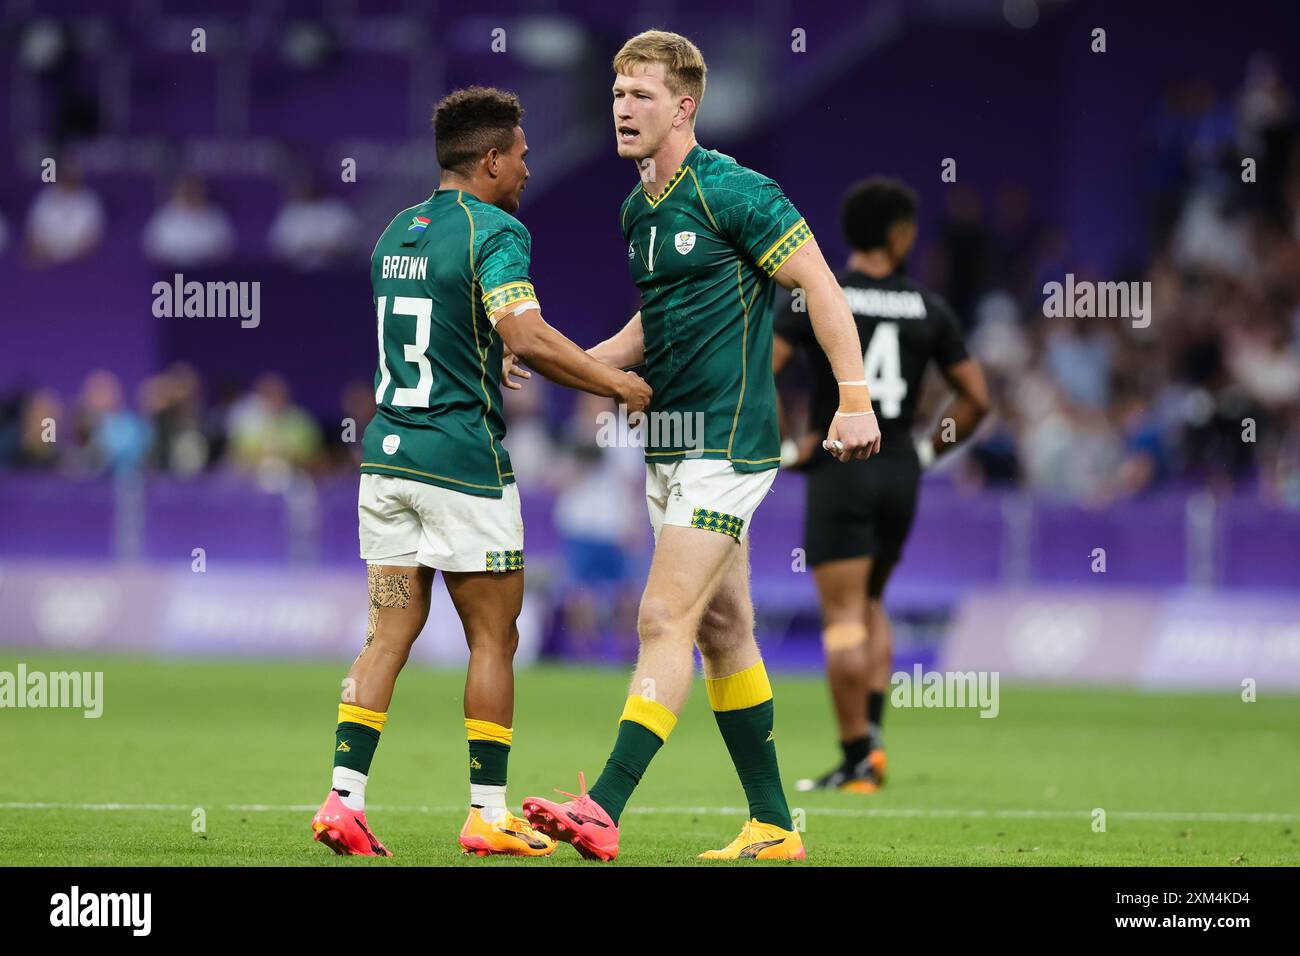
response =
{"points": [[684, 69]]}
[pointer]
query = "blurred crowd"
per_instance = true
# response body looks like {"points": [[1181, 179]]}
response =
{"points": [[1208, 394], [66, 222], [174, 424], [1087, 409]]}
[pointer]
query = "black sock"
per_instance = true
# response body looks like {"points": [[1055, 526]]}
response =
{"points": [[855, 751], [876, 707]]}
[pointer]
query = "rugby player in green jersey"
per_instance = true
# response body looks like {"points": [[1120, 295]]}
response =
{"points": [[453, 304], [707, 238]]}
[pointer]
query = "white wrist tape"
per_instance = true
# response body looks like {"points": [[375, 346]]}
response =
{"points": [[863, 382], [853, 414], [519, 309]]}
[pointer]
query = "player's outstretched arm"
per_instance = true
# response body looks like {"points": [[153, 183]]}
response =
{"points": [[528, 336], [968, 407], [854, 425], [624, 349]]}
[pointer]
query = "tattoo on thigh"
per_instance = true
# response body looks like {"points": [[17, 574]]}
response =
{"points": [[387, 589]]}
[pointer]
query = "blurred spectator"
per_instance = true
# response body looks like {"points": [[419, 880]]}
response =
{"points": [[1068, 450], [29, 425], [1145, 462], [599, 509], [188, 230], [1214, 236], [1263, 356], [268, 434], [1267, 110], [528, 439], [108, 435], [65, 222], [311, 230], [600, 516], [41, 416], [1282, 479], [1079, 356], [173, 401]]}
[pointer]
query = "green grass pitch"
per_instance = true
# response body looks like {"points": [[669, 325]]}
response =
{"points": [[1195, 779]]}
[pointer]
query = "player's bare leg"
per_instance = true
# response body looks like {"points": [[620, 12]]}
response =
{"points": [[880, 646], [488, 604], [726, 632], [688, 566], [399, 607], [880, 661], [842, 589], [741, 698]]}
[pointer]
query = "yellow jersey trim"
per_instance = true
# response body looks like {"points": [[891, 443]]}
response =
{"points": [[699, 191], [678, 176], [744, 342], [712, 451], [689, 451], [425, 474], [794, 239], [507, 294]]}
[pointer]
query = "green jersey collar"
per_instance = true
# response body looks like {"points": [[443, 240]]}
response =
{"points": [[672, 183]]}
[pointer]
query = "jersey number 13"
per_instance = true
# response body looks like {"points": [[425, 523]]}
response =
{"points": [[422, 311]]}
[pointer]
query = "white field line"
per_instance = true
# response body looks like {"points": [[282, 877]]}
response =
{"points": [[1172, 816]]}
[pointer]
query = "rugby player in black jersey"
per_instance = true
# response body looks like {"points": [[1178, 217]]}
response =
{"points": [[858, 514]]}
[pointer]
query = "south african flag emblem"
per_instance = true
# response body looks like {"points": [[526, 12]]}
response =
{"points": [[418, 224]]}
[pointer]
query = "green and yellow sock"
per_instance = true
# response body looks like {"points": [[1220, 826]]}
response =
{"points": [[355, 740], [489, 754], [742, 706], [642, 730]]}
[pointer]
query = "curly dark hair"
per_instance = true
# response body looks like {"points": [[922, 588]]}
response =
{"points": [[871, 207], [470, 121]]}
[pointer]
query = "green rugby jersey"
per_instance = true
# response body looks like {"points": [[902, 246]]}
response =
{"points": [[703, 254], [438, 271]]}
